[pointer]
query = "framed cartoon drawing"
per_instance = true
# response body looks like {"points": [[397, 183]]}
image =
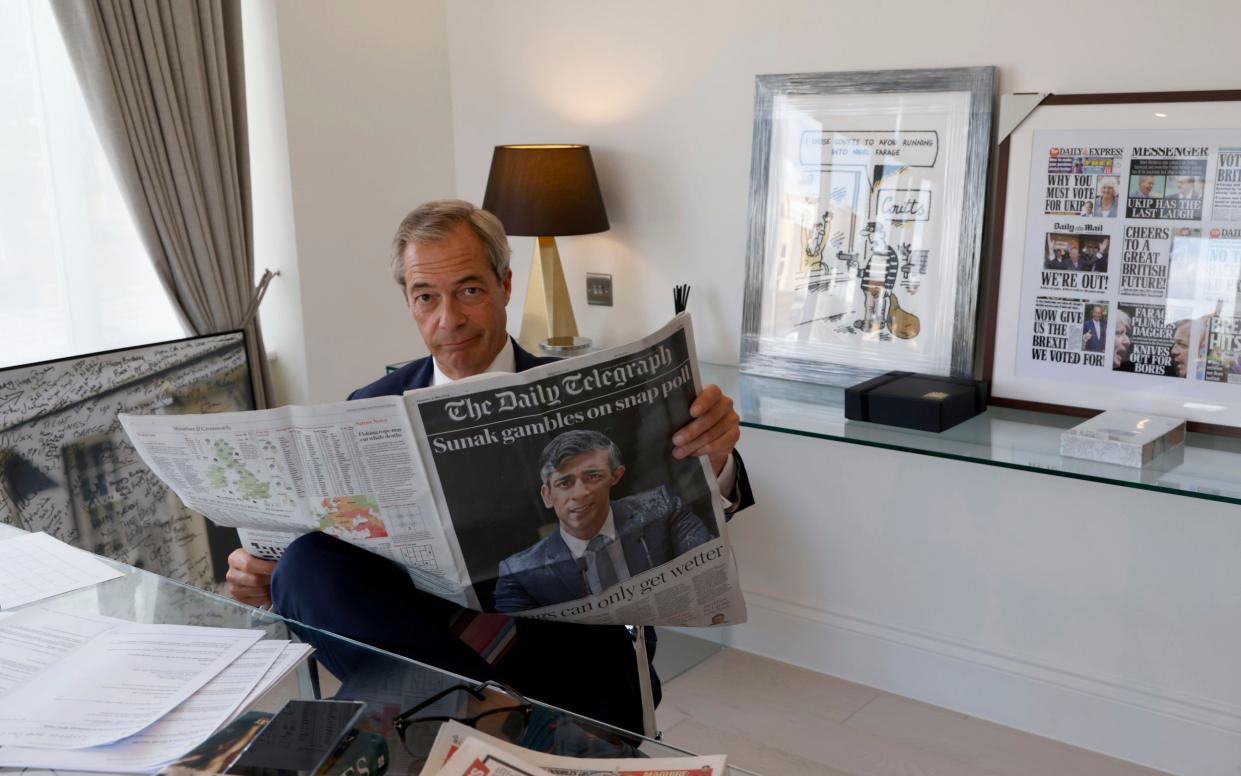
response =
{"points": [[866, 203], [1119, 282]]}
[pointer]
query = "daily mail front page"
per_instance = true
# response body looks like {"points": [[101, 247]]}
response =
{"points": [[551, 493]]}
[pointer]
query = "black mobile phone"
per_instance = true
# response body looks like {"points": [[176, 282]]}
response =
{"points": [[298, 740]]}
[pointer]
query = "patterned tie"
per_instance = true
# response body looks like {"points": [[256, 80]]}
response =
{"points": [[602, 573]]}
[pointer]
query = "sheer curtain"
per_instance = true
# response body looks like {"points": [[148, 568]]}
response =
{"points": [[74, 275], [164, 81]]}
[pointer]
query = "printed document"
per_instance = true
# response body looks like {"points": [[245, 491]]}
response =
{"points": [[34, 639], [116, 684], [285, 662], [37, 566], [184, 728]]}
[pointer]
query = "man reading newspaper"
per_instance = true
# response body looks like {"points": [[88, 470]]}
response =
{"points": [[451, 260]]}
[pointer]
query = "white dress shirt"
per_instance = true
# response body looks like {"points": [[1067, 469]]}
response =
{"points": [[577, 547], [505, 361]]}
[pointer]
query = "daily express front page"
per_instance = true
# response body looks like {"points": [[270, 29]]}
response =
{"points": [[551, 493]]}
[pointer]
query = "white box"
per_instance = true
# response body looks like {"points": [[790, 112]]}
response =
{"points": [[1124, 438]]}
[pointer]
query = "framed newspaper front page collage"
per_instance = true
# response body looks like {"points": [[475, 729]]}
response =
{"points": [[866, 202], [1120, 260]]}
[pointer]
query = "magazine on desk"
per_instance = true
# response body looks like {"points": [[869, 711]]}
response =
{"points": [[551, 493]]}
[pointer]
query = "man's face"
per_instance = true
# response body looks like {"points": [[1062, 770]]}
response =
{"points": [[1180, 349], [1097, 313], [1074, 254], [1146, 184], [579, 492], [1108, 191], [457, 302], [1185, 187]]}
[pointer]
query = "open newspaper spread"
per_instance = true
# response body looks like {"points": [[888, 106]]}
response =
{"points": [[551, 493]]}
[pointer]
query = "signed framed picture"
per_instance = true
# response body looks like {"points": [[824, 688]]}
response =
{"points": [[1120, 260], [866, 204]]}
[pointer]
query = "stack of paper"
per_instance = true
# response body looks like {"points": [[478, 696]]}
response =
{"points": [[83, 691]]}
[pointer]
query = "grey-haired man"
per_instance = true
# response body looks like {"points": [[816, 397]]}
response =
{"points": [[450, 260]]}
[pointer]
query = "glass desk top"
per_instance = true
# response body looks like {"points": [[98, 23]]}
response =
{"points": [[1206, 466], [388, 683]]}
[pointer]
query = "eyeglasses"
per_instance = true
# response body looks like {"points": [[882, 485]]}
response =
{"points": [[506, 722]]}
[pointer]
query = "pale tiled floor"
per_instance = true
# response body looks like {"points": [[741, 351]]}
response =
{"points": [[776, 719], [780, 720]]}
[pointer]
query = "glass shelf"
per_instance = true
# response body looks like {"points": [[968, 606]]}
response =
{"points": [[1207, 466]]}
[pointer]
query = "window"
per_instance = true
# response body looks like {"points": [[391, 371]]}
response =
{"points": [[74, 277]]}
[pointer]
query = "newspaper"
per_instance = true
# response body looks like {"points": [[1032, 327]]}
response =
{"points": [[474, 758], [1132, 269], [551, 493], [458, 746]]}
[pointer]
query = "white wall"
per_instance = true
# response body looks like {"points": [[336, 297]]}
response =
{"points": [[664, 92], [271, 194], [1099, 615], [365, 91]]}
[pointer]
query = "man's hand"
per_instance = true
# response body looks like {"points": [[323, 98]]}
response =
{"points": [[714, 430], [249, 578]]}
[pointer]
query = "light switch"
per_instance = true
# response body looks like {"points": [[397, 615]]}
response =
{"points": [[598, 289]]}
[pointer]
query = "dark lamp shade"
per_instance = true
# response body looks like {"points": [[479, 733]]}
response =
{"points": [[545, 191]]}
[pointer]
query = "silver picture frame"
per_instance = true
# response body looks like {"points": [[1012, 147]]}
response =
{"points": [[866, 188]]}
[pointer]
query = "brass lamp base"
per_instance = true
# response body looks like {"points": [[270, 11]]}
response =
{"points": [[547, 317]]}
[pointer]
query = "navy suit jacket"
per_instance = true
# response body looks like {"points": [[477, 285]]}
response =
{"points": [[653, 527], [1099, 330]]}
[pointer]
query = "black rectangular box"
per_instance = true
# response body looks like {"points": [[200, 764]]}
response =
{"points": [[911, 400]]}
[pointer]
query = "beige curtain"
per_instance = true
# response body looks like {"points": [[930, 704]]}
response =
{"points": [[165, 85]]}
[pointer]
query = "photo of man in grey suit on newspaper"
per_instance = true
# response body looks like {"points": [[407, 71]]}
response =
{"points": [[599, 541]]}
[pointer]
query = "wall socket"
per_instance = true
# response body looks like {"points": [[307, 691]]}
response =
{"points": [[598, 289]]}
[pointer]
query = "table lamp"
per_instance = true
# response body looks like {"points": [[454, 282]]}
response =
{"points": [[545, 191]]}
